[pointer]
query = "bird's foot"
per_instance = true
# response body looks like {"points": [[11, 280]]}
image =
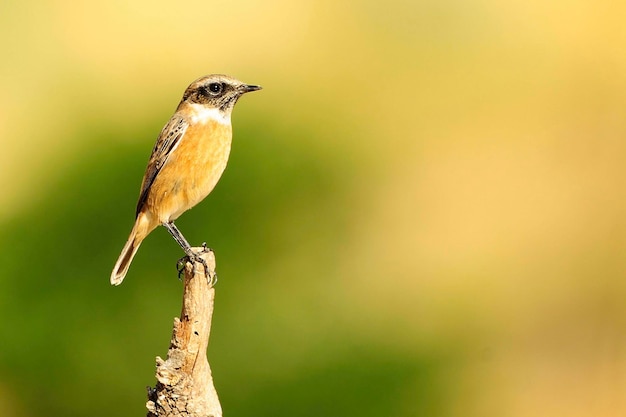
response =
{"points": [[180, 266], [211, 278], [196, 258]]}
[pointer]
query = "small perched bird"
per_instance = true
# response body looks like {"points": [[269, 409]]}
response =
{"points": [[188, 159]]}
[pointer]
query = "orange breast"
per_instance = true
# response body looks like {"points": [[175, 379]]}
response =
{"points": [[191, 171]]}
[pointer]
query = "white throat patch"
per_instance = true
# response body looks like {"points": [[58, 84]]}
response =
{"points": [[202, 114]]}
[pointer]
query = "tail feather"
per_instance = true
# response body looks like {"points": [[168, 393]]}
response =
{"points": [[139, 232]]}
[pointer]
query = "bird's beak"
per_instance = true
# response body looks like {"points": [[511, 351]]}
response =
{"points": [[246, 88]]}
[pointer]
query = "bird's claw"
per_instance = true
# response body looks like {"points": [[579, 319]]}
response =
{"points": [[180, 266]]}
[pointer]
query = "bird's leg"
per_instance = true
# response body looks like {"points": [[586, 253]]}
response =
{"points": [[179, 238], [191, 255]]}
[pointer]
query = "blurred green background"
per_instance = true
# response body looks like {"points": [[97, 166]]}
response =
{"points": [[424, 213]]}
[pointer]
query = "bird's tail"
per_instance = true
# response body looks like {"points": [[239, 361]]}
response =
{"points": [[140, 230]]}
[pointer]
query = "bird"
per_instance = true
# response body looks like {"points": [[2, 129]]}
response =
{"points": [[187, 161]]}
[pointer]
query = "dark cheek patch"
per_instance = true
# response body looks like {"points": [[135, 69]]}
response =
{"points": [[227, 104]]}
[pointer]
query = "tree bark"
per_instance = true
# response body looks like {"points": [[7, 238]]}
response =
{"points": [[184, 382]]}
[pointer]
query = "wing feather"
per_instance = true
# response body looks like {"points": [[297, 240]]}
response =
{"points": [[167, 141]]}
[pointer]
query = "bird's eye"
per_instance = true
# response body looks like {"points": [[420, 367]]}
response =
{"points": [[215, 88]]}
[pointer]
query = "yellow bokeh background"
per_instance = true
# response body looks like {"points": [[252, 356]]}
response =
{"points": [[423, 214]]}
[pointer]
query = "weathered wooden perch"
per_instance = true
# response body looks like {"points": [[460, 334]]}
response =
{"points": [[184, 383]]}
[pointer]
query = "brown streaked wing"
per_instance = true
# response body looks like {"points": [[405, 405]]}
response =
{"points": [[168, 139]]}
